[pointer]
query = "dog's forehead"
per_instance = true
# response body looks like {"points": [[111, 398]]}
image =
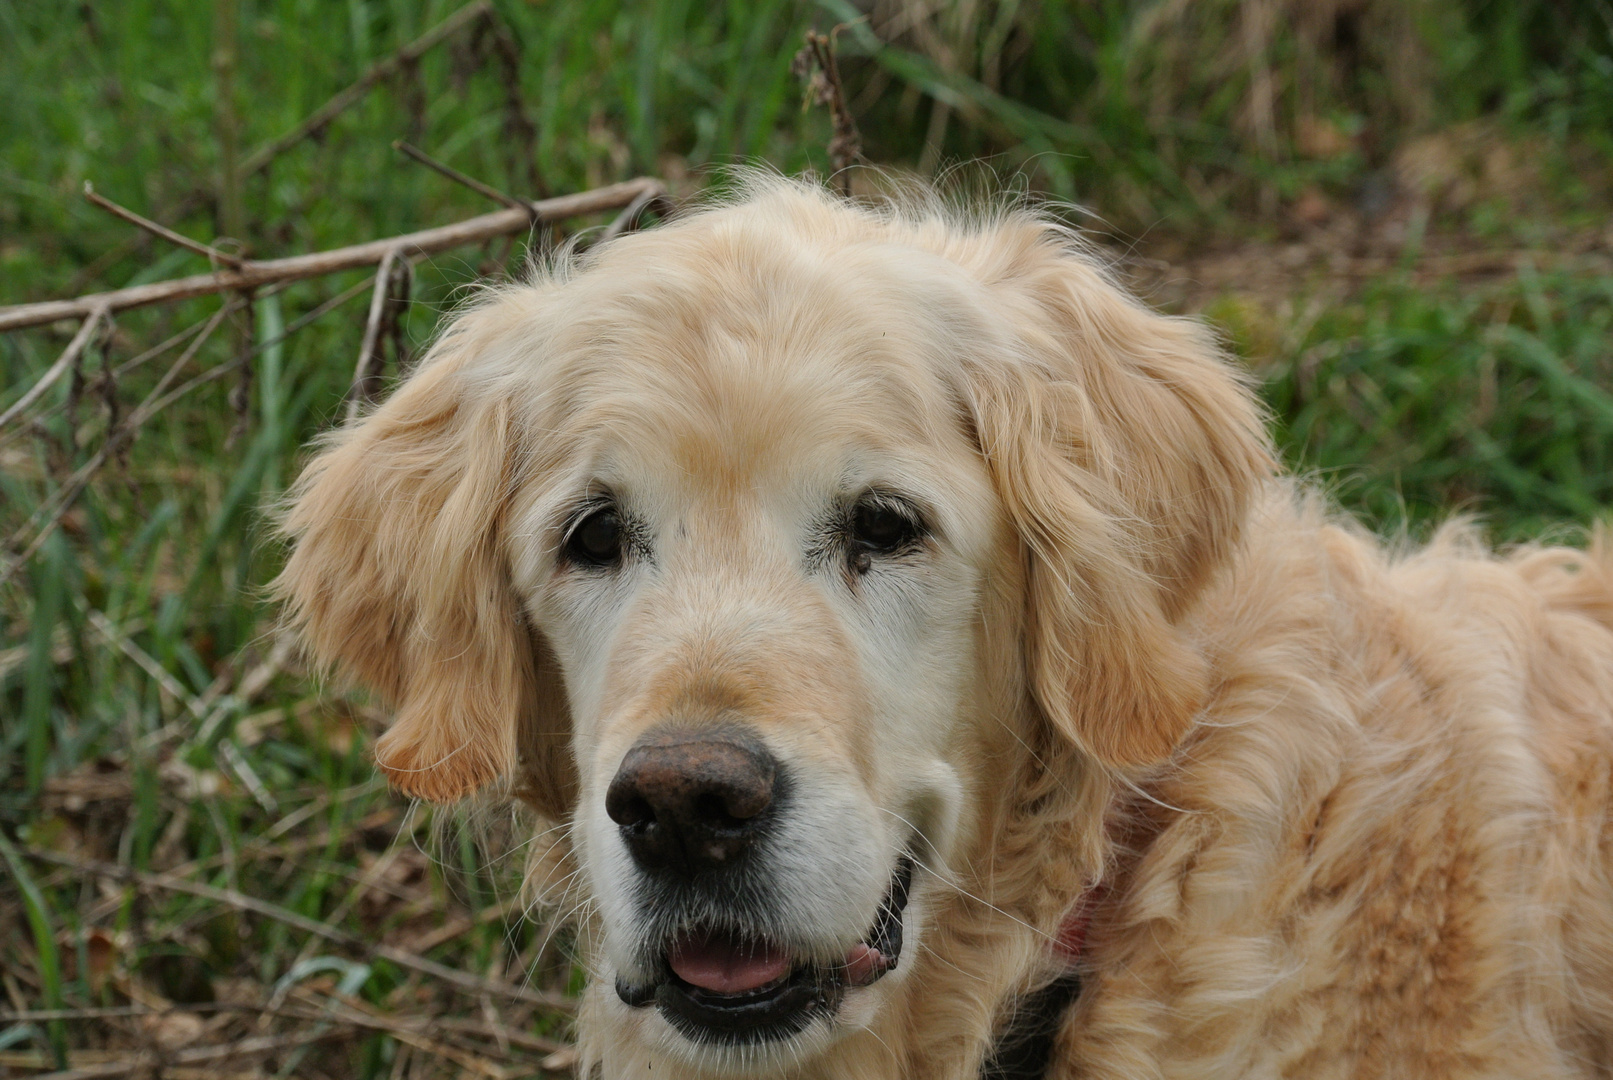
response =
{"points": [[735, 354]]}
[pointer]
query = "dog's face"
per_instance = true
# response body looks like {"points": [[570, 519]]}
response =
{"points": [[758, 571], [753, 547]]}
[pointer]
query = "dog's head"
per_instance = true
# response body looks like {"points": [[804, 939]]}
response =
{"points": [[751, 546]]}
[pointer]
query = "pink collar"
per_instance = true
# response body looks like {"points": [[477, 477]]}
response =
{"points": [[1072, 935]]}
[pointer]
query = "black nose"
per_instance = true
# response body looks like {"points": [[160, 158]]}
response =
{"points": [[689, 801]]}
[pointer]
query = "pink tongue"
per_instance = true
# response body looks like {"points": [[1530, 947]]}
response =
{"points": [[718, 963], [864, 964]]}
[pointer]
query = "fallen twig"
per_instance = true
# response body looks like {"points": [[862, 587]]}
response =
{"points": [[235, 262], [346, 1009], [64, 363], [147, 663], [460, 925], [241, 901], [489, 1030], [297, 267], [116, 1012]]}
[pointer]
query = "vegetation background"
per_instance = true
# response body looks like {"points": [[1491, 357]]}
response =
{"points": [[1397, 210]]}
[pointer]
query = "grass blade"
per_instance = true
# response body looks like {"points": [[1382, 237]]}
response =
{"points": [[50, 968]]}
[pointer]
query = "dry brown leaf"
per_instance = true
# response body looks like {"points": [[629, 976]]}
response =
{"points": [[172, 1030]]}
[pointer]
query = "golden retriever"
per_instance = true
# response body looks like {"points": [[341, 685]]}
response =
{"points": [[933, 676]]}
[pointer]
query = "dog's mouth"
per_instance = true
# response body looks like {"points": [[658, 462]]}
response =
{"points": [[718, 986]]}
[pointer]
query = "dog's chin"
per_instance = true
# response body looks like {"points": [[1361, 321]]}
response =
{"points": [[719, 988]]}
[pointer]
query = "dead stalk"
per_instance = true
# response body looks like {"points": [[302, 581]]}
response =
{"points": [[817, 64], [391, 293], [227, 119]]}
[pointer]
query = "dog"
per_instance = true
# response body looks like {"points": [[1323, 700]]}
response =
{"points": [[931, 674]]}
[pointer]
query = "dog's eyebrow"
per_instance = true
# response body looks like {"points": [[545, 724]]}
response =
{"points": [[896, 500], [566, 510], [579, 507]]}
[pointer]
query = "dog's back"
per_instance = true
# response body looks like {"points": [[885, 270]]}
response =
{"points": [[1571, 706], [1394, 856]]}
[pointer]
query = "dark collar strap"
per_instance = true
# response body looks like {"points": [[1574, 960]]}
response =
{"points": [[1024, 1047]]}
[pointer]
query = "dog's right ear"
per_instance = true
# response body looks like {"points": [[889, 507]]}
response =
{"points": [[397, 578]]}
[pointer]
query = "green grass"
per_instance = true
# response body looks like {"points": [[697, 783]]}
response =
{"points": [[1415, 401], [1409, 394]]}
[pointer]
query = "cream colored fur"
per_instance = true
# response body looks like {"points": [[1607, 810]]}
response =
{"points": [[1349, 805]]}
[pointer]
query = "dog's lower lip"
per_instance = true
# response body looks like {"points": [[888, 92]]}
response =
{"points": [[779, 1010]]}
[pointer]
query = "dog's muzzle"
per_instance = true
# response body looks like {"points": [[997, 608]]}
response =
{"points": [[720, 986], [691, 807]]}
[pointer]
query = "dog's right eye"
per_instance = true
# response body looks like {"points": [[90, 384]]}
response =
{"points": [[596, 539]]}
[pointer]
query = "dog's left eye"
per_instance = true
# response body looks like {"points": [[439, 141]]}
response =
{"points": [[878, 528]]}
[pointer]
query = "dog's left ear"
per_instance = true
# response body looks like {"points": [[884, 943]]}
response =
{"points": [[1125, 449]]}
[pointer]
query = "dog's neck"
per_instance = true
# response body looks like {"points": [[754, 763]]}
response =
{"points": [[1022, 1043], [1022, 1046], [1079, 891]]}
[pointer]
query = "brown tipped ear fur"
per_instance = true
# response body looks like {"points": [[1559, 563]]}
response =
{"points": [[398, 579], [1125, 449]]}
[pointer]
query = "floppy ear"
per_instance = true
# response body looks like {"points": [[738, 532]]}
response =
{"points": [[1125, 449], [398, 579]]}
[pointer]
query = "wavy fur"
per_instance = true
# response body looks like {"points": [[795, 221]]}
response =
{"points": [[1349, 804]]}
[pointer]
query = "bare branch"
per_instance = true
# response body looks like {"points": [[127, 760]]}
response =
{"points": [[225, 368], [234, 262], [255, 273], [154, 404], [484, 190], [344, 100], [63, 364]]}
